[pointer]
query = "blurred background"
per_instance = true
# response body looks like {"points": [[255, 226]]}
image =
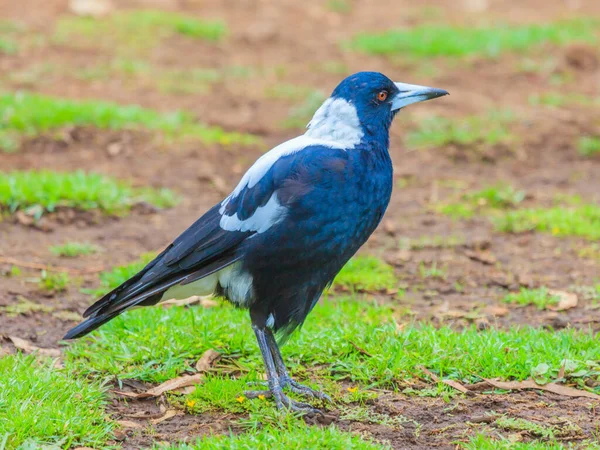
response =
{"points": [[122, 121]]}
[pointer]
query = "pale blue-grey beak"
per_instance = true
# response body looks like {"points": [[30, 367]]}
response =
{"points": [[412, 93]]}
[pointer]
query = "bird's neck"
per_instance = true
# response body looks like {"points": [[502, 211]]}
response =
{"points": [[336, 121]]}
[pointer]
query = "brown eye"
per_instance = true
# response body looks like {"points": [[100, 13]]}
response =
{"points": [[382, 96]]}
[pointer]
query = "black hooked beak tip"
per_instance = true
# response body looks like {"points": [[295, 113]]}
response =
{"points": [[412, 93]]}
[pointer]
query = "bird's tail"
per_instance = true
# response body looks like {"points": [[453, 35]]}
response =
{"points": [[140, 291]]}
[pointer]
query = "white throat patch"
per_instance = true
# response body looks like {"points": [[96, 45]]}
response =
{"points": [[336, 120]]}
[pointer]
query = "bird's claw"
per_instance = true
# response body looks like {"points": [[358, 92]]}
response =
{"points": [[303, 390], [285, 381], [283, 401]]}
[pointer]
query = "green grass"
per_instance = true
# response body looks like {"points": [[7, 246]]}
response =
{"points": [[488, 129], [300, 115], [141, 74], [435, 40], [482, 442], [8, 46], [40, 405], [134, 31], [288, 435], [432, 271], [538, 297], [588, 146], [28, 114], [144, 344], [557, 99], [217, 393], [24, 307], [41, 191], [8, 42], [366, 273], [490, 199], [583, 221], [54, 282], [531, 428], [339, 6], [74, 249]]}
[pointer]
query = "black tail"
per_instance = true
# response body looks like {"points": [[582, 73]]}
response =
{"points": [[88, 326], [143, 289]]}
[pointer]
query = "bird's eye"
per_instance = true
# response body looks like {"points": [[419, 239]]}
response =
{"points": [[382, 96]]}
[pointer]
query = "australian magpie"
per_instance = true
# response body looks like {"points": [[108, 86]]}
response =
{"points": [[295, 218]]}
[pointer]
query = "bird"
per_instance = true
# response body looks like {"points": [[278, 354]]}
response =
{"points": [[278, 240]]}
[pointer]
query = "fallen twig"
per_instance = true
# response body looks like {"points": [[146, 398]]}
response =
{"points": [[454, 384]]}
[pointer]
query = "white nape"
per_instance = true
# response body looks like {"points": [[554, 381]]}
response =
{"points": [[263, 218], [233, 281], [337, 121]]}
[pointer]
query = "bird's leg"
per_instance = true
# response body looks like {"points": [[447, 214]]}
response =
{"points": [[275, 388], [284, 376]]}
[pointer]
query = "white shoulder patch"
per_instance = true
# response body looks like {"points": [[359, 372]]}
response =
{"points": [[266, 161], [336, 120], [334, 125], [263, 218]]}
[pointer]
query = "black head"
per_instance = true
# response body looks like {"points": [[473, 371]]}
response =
{"points": [[377, 98]]}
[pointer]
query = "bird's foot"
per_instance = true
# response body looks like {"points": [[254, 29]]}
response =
{"points": [[286, 380], [283, 401], [298, 388]]}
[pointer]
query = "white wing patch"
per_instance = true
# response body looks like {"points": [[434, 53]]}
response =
{"points": [[337, 121], [263, 218], [334, 125]]}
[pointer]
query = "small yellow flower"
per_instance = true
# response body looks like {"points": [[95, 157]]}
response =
{"points": [[241, 398], [190, 403], [353, 389], [262, 397], [555, 230]]}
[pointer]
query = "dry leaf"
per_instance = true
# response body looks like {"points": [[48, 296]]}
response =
{"points": [[389, 227], [453, 384], [205, 302], [169, 414], [498, 311], [566, 300], [206, 361], [484, 257], [128, 424], [171, 385], [177, 384], [561, 372], [28, 347], [90, 8], [361, 350], [550, 387], [185, 390]]}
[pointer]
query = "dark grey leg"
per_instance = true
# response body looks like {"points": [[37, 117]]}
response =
{"points": [[284, 377], [275, 388]]}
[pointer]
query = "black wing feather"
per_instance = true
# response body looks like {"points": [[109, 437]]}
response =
{"points": [[201, 250]]}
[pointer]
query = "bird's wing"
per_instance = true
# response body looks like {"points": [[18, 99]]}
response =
{"points": [[215, 239]]}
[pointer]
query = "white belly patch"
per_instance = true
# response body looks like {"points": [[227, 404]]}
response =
{"points": [[235, 284]]}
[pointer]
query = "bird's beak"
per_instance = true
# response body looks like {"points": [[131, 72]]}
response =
{"points": [[412, 93]]}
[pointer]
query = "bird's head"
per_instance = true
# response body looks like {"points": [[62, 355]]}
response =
{"points": [[364, 104]]}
